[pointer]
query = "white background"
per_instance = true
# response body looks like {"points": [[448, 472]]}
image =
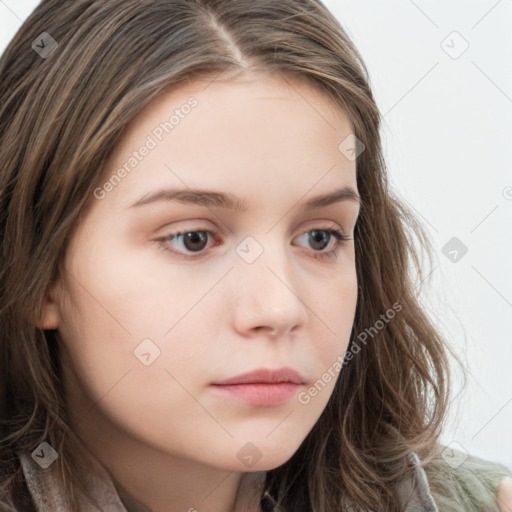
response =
{"points": [[448, 143]]}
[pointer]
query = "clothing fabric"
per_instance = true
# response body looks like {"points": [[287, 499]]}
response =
{"points": [[47, 496], [418, 489]]}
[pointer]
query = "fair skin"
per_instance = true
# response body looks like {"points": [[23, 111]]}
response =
{"points": [[162, 432], [505, 495]]}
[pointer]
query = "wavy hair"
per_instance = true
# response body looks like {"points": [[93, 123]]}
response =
{"points": [[60, 119]]}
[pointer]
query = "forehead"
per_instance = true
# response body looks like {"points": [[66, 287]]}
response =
{"points": [[229, 103], [251, 131], [256, 85]]}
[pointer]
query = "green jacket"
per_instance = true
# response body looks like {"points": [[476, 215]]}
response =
{"points": [[461, 482], [451, 482]]}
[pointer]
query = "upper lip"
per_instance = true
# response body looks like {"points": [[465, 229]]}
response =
{"points": [[265, 375]]}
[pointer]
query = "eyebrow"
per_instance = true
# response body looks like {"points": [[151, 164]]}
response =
{"points": [[216, 199]]}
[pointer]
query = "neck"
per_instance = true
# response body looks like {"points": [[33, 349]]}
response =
{"points": [[164, 482]]}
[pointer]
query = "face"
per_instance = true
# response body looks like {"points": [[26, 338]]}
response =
{"points": [[166, 297]]}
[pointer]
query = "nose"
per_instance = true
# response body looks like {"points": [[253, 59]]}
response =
{"points": [[267, 297]]}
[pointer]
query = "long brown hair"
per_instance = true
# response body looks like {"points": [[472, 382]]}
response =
{"points": [[61, 115]]}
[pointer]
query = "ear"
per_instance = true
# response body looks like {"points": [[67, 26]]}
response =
{"points": [[50, 314]]}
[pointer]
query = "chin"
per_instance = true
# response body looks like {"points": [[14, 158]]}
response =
{"points": [[263, 458]]}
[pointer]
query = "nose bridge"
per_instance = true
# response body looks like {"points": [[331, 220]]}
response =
{"points": [[268, 289]]}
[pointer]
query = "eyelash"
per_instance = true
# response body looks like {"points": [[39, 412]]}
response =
{"points": [[340, 236]]}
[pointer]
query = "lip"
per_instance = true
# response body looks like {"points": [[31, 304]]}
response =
{"points": [[263, 387], [264, 376]]}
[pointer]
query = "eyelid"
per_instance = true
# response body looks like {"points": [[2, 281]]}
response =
{"points": [[195, 225]]}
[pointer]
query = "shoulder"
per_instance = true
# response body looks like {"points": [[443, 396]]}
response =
{"points": [[460, 481], [505, 494]]}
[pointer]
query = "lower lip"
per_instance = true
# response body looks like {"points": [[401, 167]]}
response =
{"points": [[262, 394]]}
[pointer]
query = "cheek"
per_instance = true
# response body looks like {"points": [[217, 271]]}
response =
{"points": [[140, 291], [329, 341], [131, 376], [332, 311], [124, 313]]}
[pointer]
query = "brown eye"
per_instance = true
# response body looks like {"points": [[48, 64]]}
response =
{"points": [[194, 240], [184, 243]]}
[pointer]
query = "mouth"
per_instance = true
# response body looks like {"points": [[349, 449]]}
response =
{"points": [[263, 387]]}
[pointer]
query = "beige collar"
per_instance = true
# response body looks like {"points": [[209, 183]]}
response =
{"points": [[48, 496]]}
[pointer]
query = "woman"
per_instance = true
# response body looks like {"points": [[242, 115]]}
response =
{"points": [[285, 365]]}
